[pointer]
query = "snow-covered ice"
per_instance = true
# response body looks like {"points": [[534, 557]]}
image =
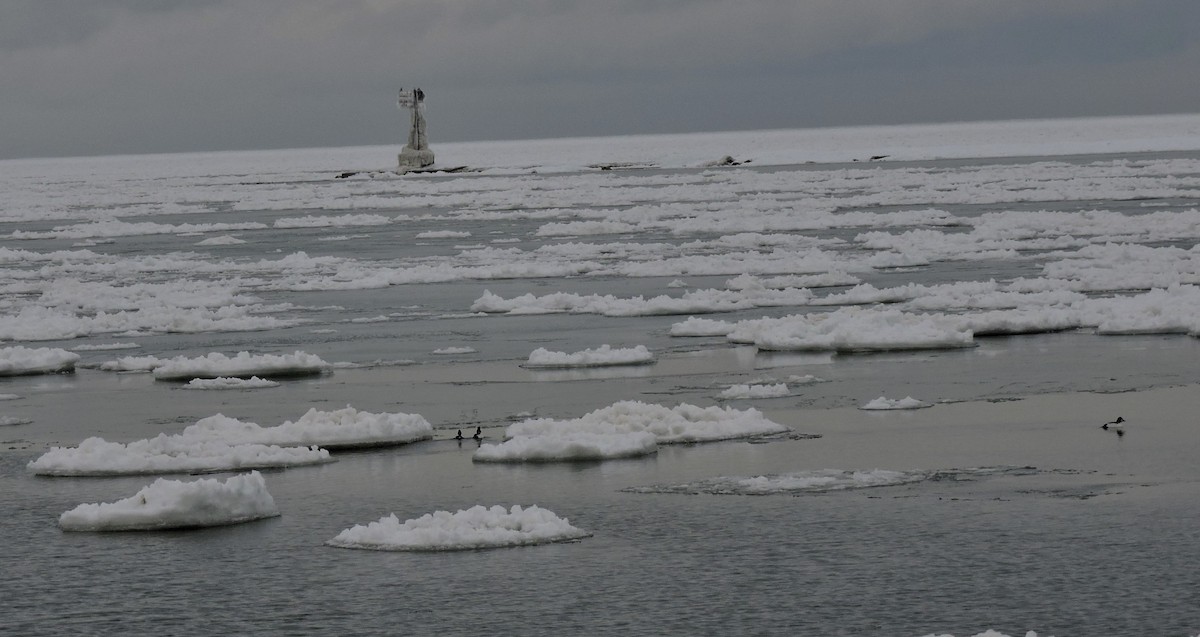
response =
{"points": [[478, 527], [604, 355], [885, 403], [344, 428], [19, 361], [222, 382], [174, 504], [623, 429], [241, 365], [169, 454], [774, 390]]}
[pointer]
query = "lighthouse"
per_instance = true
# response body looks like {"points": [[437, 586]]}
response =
{"points": [[416, 153]]}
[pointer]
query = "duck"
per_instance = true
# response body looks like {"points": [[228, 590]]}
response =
{"points": [[478, 433], [1117, 426], [459, 435]]}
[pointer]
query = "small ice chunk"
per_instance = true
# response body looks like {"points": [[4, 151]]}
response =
{"points": [[599, 357], [755, 391], [908, 402], [19, 361], [223, 382], [478, 527]]}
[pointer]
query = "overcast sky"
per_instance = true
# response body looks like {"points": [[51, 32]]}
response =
{"points": [[86, 77]]}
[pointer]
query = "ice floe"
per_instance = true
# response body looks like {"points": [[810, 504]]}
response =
{"points": [[825, 480], [222, 382], [169, 454], [241, 365], [861, 329], [774, 390], [623, 429], [339, 429], [602, 356], [478, 527], [885, 403], [174, 504], [19, 361]]}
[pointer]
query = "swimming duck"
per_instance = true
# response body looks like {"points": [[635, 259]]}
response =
{"points": [[459, 435], [478, 433], [1115, 423]]}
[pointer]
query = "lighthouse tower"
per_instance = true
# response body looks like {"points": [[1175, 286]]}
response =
{"points": [[416, 153]]}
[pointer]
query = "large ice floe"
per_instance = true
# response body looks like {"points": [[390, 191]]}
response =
{"points": [[478, 527], [241, 365], [20, 361], [602, 356], [345, 428], [856, 329], [173, 504], [623, 429], [169, 454]]}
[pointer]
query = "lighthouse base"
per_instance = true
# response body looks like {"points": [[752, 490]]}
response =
{"points": [[410, 159]]}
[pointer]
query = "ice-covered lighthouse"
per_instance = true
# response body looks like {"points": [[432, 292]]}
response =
{"points": [[416, 153]]}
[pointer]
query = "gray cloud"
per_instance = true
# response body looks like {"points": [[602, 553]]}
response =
{"points": [[143, 75]]}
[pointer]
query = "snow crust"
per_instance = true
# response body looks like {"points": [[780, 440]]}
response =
{"points": [[478, 527], [19, 361], [884, 403], [241, 365], [173, 504], [339, 429], [621, 430], [596, 357]]}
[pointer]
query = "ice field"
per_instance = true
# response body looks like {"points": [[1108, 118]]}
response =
{"points": [[830, 381]]}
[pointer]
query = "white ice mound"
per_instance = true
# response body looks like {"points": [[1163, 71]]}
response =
{"points": [[862, 329], [774, 390], [694, 326], [242, 365], [341, 429], [680, 424], [478, 527], [222, 382], [169, 454], [19, 361], [599, 357], [883, 403], [621, 430], [172, 504], [571, 446]]}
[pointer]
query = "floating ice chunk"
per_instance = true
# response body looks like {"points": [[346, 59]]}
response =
{"points": [[569, 446], [599, 357], [454, 350], [814, 481], [1174, 310], [478, 527], [168, 454], [221, 382], [579, 228], [755, 391], [680, 424], [862, 329], [908, 402], [20, 361], [826, 279], [690, 302], [172, 504], [9, 421], [103, 347], [223, 240], [10, 396], [1031, 320], [341, 429], [694, 326], [242, 365], [132, 364], [443, 234]]}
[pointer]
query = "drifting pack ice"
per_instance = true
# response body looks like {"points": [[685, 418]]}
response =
{"points": [[169, 454], [172, 504], [602, 356], [478, 527]]}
